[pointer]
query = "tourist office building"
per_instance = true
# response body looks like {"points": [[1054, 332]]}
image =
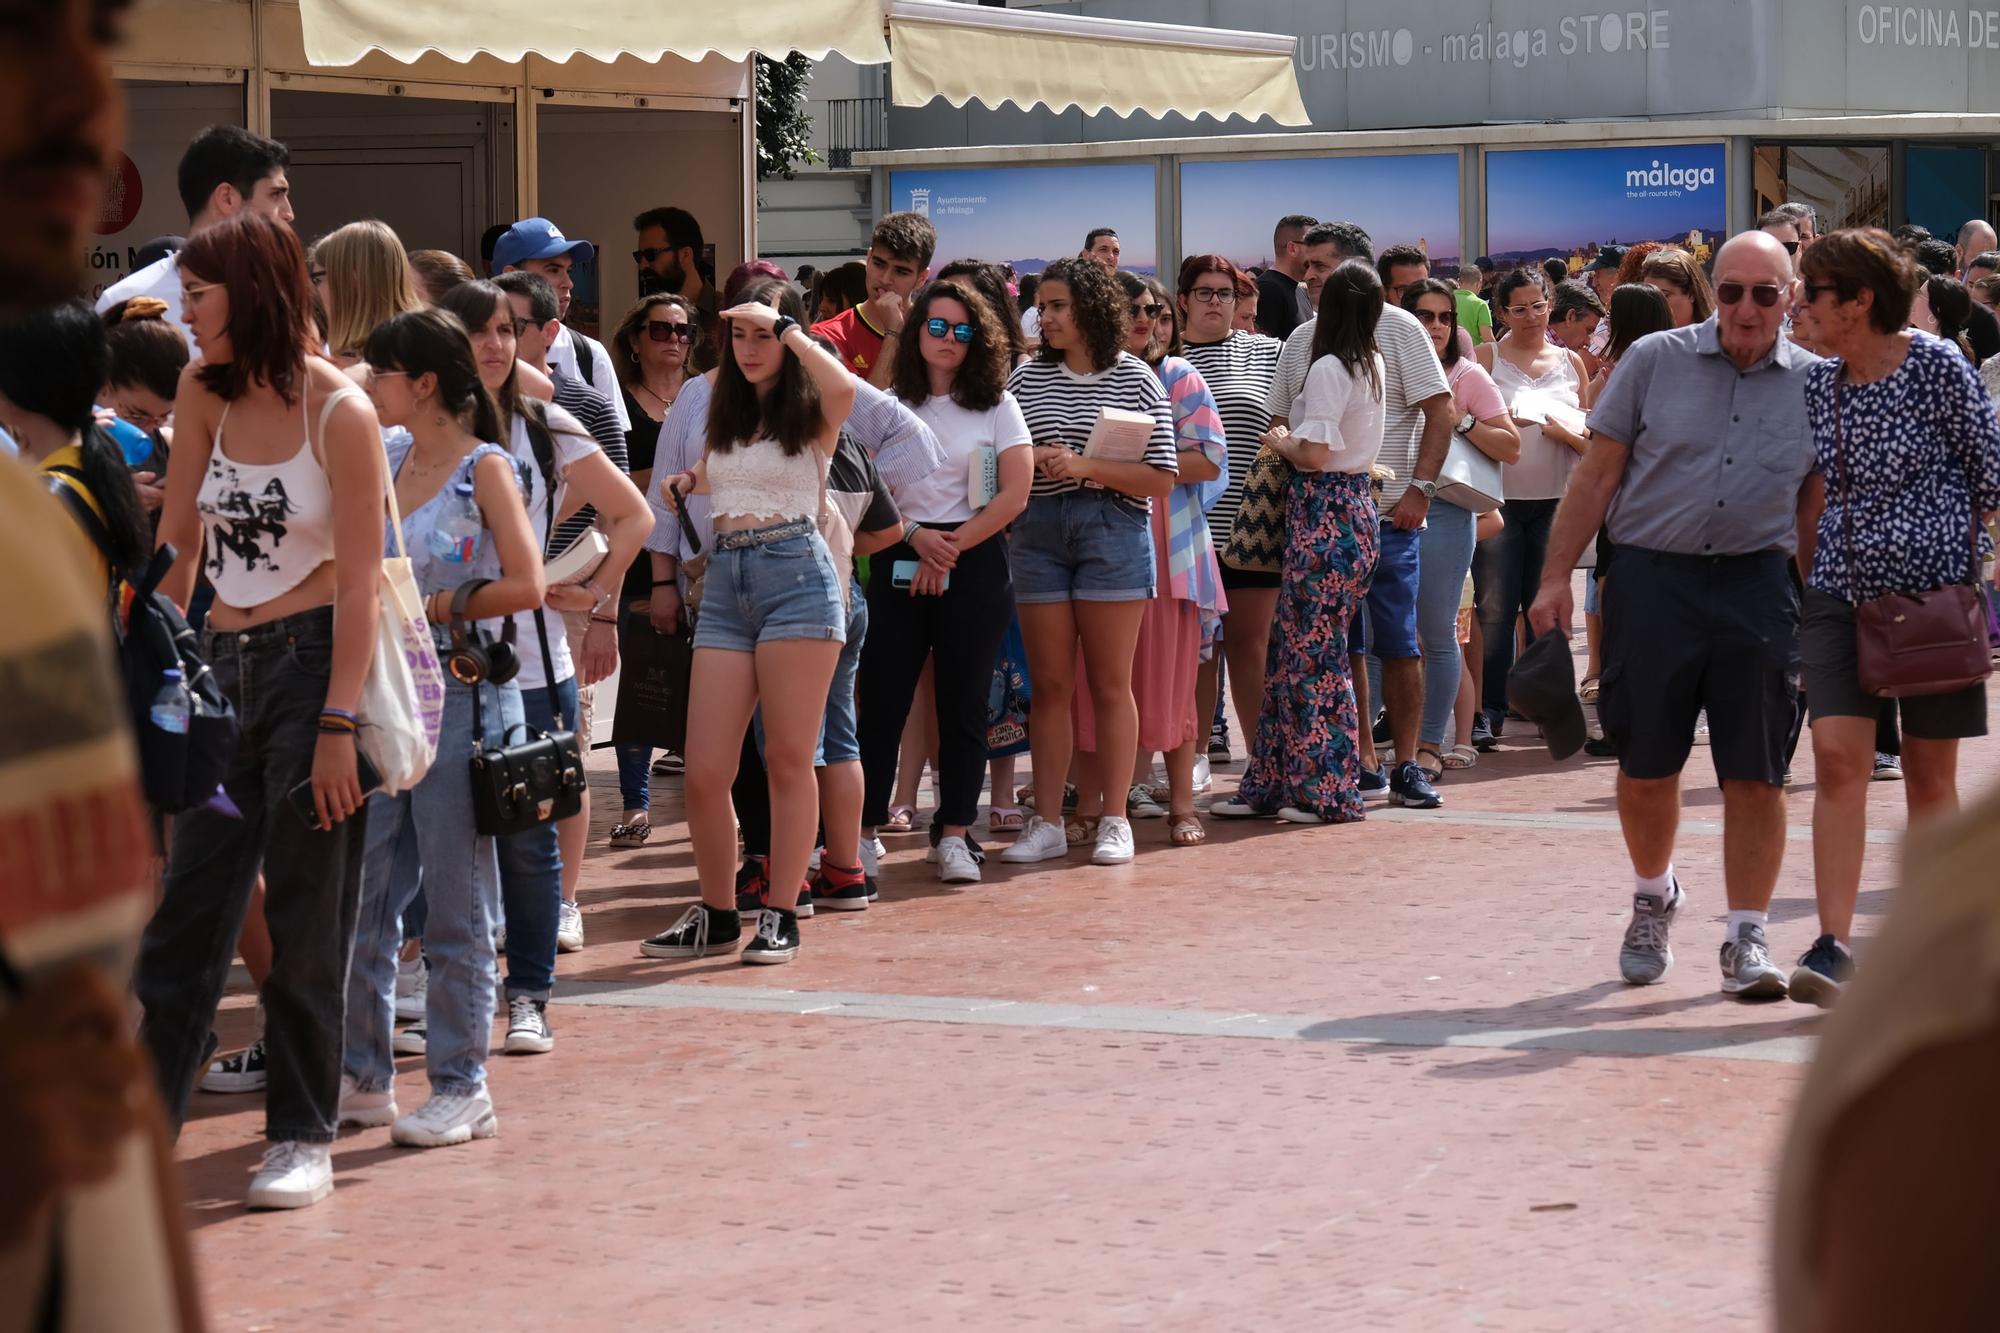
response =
{"points": [[1518, 129]]}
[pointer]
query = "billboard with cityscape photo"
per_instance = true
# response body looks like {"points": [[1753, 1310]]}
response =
{"points": [[1032, 216], [1568, 202], [1229, 207]]}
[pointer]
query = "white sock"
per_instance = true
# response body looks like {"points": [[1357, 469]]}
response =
{"points": [[1660, 886], [1738, 919]]}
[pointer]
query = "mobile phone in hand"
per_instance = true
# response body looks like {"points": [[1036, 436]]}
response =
{"points": [[301, 796]]}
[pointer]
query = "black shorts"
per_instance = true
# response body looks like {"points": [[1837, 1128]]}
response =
{"points": [[1833, 680], [1234, 578], [1683, 633]]}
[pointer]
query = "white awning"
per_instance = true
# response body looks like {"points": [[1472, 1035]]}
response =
{"points": [[965, 52], [341, 32]]}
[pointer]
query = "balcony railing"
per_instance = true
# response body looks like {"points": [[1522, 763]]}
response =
{"points": [[853, 125]]}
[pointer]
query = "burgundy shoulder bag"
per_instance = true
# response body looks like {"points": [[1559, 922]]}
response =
{"points": [[1914, 643]]}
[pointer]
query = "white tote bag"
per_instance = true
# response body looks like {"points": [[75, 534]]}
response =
{"points": [[402, 701]]}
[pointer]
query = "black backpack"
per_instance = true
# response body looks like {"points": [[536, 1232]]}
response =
{"points": [[178, 770]]}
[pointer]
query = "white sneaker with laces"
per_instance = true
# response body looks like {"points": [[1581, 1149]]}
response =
{"points": [[1039, 841], [293, 1175], [366, 1110], [872, 852], [413, 986], [569, 927], [528, 1027], [448, 1118], [412, 1040], [955, 863], [1114, 842]]}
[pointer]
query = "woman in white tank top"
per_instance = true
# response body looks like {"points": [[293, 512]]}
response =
{"points": [[772, 619], [276, 484]]}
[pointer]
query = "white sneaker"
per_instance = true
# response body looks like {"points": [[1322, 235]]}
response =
{"points": [[1114, 842], [955, 863], [569, 927], [413, 988], [448, 1118], [294, 1175], [1701, 728], [366, 1110], [1204, 778], [412, 1040], [528, 1027], [872, 852], [1039, 841]]}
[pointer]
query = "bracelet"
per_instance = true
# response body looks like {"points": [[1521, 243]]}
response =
{"points": [[596, 619], [340, 713], [349, 732]]}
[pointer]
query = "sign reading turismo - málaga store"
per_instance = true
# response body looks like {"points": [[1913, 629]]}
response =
{"points": [[1030, 216], [1570, 202]]}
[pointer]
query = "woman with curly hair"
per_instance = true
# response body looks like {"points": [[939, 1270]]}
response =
{"points": [[1082, 551]]}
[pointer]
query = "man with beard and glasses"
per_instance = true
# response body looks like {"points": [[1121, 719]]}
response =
{"points": [[670, 260], [75, 863]]}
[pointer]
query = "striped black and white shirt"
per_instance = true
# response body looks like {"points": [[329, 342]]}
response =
{"points": [[1239, 371], [1062, 406], [593, 411]]}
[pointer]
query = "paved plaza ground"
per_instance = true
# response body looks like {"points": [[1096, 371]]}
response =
{"points": [[1380, 1076]]}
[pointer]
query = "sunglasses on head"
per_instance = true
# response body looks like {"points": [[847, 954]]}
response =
{"points": [[937, 328], [1765, 294], [661, 331]]}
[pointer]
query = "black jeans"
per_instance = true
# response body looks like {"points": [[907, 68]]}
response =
{"points": [[1510, 574], [275, 674], [960, 631]]}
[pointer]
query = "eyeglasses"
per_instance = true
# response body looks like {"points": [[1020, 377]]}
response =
{"points": [[1147, 311], [1814, 290], [660, 331], [521, 326], [144, 420], [1213, 295], [377, 373], [644, 258], [1432, 316], [318, 276], [1765, 294], [937, 328], [1535, 309]]}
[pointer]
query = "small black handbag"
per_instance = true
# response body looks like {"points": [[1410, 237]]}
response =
{"points": [[537, 781]]}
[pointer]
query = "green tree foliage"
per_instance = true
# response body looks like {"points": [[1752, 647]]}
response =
{"points": [[784, 130]]}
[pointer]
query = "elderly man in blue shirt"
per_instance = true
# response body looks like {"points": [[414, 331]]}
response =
{"points": [[1700, 455]]}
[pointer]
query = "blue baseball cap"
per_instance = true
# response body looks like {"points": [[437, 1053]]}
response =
{"points": [[537, 238]]}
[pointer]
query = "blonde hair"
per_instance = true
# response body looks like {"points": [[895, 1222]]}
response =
{"points": [[367, 282], [1678, 267]]}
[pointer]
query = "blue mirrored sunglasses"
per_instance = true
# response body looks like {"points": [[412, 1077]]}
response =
{"points": [[937, 329]]}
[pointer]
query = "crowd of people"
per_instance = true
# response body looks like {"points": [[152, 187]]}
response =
{"points": [[930, 516]]}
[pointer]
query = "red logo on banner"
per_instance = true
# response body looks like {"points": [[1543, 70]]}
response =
{"points": [[122, 196]]}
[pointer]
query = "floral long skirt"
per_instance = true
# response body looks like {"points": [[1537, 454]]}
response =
{"points": [[1306, 750]]}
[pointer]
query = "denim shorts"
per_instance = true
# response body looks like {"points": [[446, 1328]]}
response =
{"points": [[1081, 546], [840, 733], [786, 589], [1392, 597]]}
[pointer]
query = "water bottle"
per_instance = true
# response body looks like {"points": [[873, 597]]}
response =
{"points": [[170, 705], [135, 444], [456, 536]]}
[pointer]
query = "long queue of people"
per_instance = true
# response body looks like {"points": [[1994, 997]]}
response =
{"points": [[927, 532]]}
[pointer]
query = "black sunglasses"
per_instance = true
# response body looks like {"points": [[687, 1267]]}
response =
{"points": [[660, 331], [644, 258], [1151, 311], [1791, 247], [1764, 294]]}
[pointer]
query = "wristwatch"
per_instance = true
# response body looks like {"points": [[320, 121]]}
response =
{"points": [[1427, 489], [784, 324], [1466, 423]]}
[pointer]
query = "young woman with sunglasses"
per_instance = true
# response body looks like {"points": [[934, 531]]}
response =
{"points": [[465, 527], [275, 488], [773, 618], [1082, 551], [650, 351], [955, 605], [1510, 564]]}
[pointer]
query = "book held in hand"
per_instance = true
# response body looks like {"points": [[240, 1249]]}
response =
{"points": [[982, 476], [577, 561], [1119, 436]]}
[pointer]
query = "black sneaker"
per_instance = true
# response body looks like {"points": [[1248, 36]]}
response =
{"points": [[1484, 738], [1218, 749], [702, 930], [1383, 733], [751, 885], [1822, 974], [1409, 788], [245, 1071], [837, 889], [777, 938]]}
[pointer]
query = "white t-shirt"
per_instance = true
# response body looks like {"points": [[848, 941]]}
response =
{"points": [[1341, 409], [572, 442], [162, 278], [941, 496], [603, 375]]}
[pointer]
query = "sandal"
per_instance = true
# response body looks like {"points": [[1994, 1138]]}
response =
{"points": [[1081, 830], [1461, 756], [1430, 774], [902, 819], [631, 835], [1187, 833], [1006, 819], [1589, 690]]}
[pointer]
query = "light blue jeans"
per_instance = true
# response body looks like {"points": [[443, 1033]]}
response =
{"points": [[1445, 556], [461, 885]]}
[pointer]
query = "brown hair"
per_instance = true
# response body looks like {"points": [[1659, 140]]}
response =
{"points": [[982, 376], [905, 236], [145, 349], [263, 267], [438, 271], [790, 412], [1857, 258], [625, 339], [991, 282], [1195, 265], [1679, 268], [1098, 305]]}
